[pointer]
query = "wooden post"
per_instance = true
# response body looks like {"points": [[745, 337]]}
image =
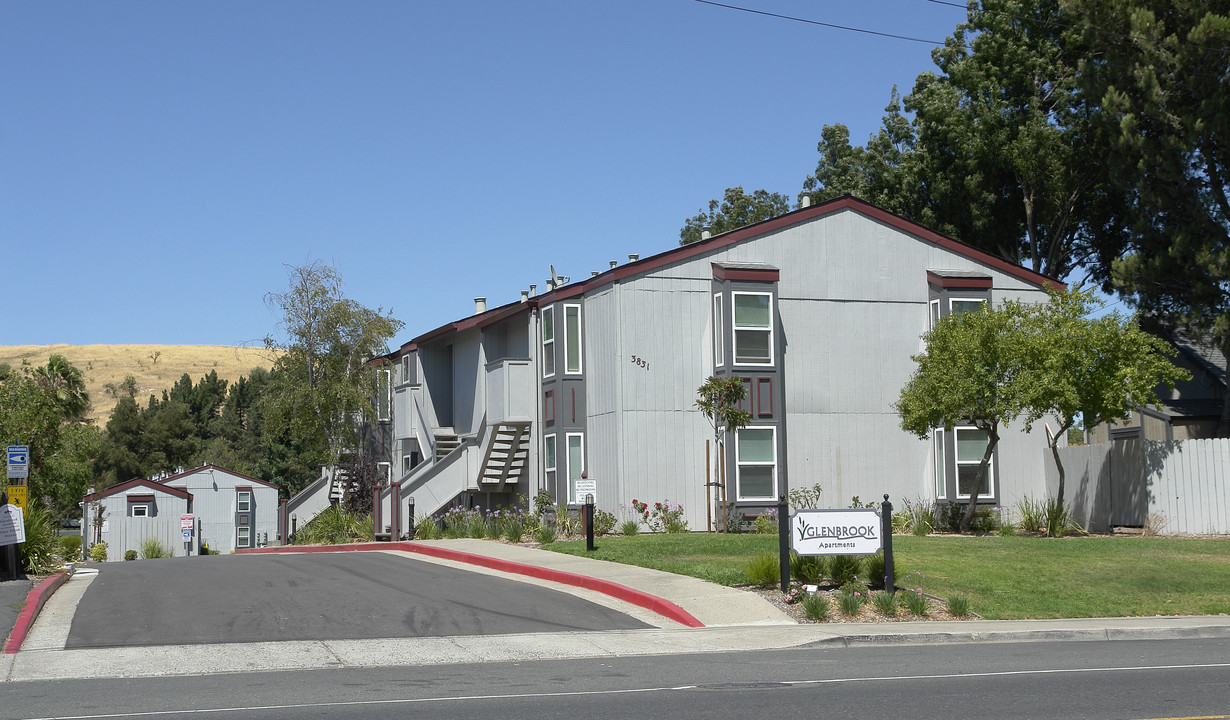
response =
{"points": [[722, 470], [708, 491]]}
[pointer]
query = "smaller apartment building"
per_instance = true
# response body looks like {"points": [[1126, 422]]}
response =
{"points": [[229, 511], [593, 384]]}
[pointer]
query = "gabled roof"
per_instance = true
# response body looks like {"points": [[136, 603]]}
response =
{"points": [[717, 242], [208, 466], [141, 483]]}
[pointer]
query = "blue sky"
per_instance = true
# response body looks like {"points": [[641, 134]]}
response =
{"points": [[162, 162]]}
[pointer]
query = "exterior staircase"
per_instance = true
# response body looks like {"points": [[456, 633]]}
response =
{"points": [[506, 456], [446, 442]]}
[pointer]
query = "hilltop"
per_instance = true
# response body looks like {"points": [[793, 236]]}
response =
{"points": [[155, 367]]}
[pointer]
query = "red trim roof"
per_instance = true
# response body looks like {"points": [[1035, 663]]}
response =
{"points": [[138, 482], [209, 466], [684, 252]]}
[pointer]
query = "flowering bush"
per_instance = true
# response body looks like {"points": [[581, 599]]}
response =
{"points": [[795, 594], [766, 523], [662, 516]]}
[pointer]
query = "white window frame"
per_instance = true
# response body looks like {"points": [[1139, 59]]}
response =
{"points": [[739, 464], [719, 332], [243, 501], [954, 301], [956, 455], [386, 471], [574, 474], [143, 507], [933, 317], [571, 337], [405, 369], [550, 471], [941, 466], [548, 343], [243, 536], [735, 328]]}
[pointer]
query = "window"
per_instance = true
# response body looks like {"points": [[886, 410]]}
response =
{"points": [[243, 538], [753, 326], [548, 342], [576, 464], [384, 472], [940, 474], [384, 396], [719, 332], [243, 501], [140, 510], [548, 461], [405, 368], [960, 306], [572, 339], [935, 313], [756, 472], [971, 445]]}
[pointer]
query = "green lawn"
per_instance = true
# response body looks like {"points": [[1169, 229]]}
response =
{"points": [[1003, 577]]}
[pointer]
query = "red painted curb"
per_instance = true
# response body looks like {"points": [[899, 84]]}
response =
{"points": [[35, 599], [665, 608]]}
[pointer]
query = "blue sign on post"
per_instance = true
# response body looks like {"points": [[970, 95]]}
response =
{"points": [[19, 461]]}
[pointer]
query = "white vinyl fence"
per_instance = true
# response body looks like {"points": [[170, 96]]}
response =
{"points": [[128, 533], [1178, 487]]}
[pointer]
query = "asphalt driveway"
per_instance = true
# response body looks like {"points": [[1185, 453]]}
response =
{"points": [[321, 596]]}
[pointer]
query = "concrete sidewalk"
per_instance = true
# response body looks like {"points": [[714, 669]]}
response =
{"points": [[732, 619]]}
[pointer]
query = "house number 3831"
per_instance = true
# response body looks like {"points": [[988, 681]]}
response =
{"points": [[640, 362]]}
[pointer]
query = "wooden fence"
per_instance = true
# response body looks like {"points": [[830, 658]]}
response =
{"points": [[1174, 488]]}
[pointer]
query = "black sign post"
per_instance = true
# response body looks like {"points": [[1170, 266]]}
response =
{"points": [[589, 523], [886, 532]]}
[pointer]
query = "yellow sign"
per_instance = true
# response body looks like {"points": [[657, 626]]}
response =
{"points": [[18, 495]]}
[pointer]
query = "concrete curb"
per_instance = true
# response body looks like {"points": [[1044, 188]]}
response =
{"points": [[945, 637], [35, 599], [653, 603]]}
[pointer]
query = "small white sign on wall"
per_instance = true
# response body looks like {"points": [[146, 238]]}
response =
{"points": [[835, 532], [586, 487]]}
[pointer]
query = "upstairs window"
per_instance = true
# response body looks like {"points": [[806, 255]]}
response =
{"points": [[719, 332], [959, 306], [243, 501], [384, 395], [753, 328], [548, 342], [572, 339], [139, 510]]}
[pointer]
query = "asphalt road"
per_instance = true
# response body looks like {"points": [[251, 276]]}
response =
{"points": [[1103, 680], [323, 596]]}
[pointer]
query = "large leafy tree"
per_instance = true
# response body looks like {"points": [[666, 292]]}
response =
{"points": [[324, 382], [1158, 70], [736, 209]]}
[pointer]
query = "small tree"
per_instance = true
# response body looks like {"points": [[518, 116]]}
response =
{"points": [[974, 371], [719, 398], [1092, 370]]}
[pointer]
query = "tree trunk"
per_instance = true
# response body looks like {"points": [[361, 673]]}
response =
{"points": [[967, 519]]}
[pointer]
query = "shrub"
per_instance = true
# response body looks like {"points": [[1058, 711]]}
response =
{"points": [[545, 535], [850, 600], [130, 555], [70, 547], [39, 554], [426, 528], [843, 569], [816, 607], [152, 548], [808, 569], [206, 551], [766, 523], [764, 570], [661, 516], [876, 570], [514, 531], [629, 527], [958, 605], [915, 602], [1059, 520], [335, 526], [98, 552], [885, 603], [804, 498], [918, 517], [1032, 514], [567, 524], [604, 522]]}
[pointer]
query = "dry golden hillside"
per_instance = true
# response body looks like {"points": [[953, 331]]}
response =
{"points": [[155, 367]]}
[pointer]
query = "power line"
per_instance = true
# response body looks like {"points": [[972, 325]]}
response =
{"points": [[821, 24]]}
